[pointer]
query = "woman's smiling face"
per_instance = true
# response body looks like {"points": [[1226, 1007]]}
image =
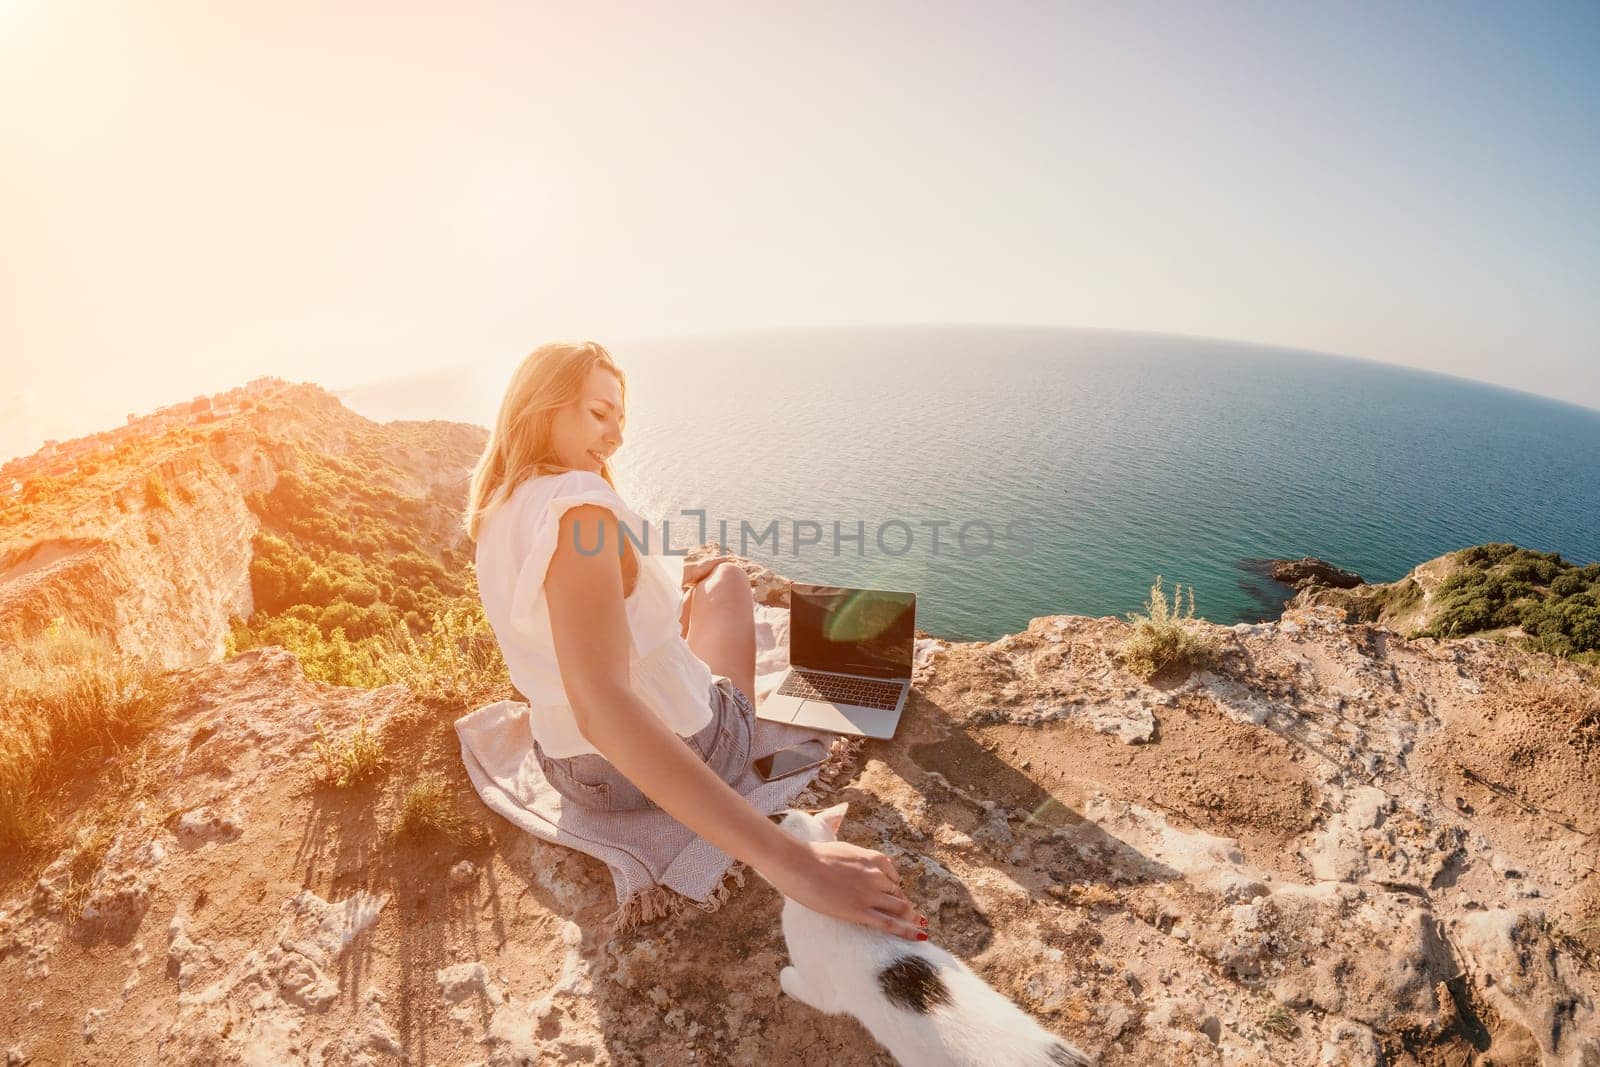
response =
{"points": [[589, 431]]}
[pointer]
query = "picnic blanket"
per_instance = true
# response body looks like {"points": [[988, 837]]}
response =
{"points": [[658, 865]]}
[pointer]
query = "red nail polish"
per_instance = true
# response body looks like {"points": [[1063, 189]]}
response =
{"points": [[921, 936]]}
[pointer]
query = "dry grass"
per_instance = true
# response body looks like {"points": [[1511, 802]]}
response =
{"points": [[68, 701], [1278, 1021], [155, 492], [89, 846], [1164, 635], [1560, 698], [428, 808], [347, 761]]}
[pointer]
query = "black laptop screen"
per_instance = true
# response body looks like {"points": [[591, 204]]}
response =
{"points": [[854, 631]]}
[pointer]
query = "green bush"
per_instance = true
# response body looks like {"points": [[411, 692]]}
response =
{"points": [[1500, 585], [356, 621], [1568, 584], [341, 579]]}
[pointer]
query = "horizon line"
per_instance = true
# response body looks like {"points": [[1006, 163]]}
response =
{"points": [[655, 338]]}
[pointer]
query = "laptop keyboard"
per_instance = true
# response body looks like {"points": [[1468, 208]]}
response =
{"points": [[841, 690]]}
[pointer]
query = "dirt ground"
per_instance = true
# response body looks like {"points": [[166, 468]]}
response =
{"points": [[1332, 845]]}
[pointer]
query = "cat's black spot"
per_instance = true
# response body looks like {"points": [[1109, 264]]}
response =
{"points": [[1062, 1055], [912, 983]]}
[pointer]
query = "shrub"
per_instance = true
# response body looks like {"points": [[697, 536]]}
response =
{"points": [[1538, 618], [457, 659], [1490, 553], [356, 622], [359, 592], [1165, 635], [1465, 616], [1583, 626], [428, 808], [350, 760], [1501, 585], [1531, 569], [1568, 584]]}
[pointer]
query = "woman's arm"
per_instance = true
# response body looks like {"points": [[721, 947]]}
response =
{"points": [[590, 625]]}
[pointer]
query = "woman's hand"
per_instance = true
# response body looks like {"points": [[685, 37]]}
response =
{"points": [[698, 571], [852, 883], [693, 575]]}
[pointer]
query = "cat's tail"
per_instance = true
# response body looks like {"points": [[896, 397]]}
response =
{"points": [[1060, 1054]]}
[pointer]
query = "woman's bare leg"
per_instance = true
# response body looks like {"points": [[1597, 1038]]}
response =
{"points": [[722, 626]]}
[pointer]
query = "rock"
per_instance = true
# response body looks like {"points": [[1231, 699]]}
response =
{"points": [[256, 1003], [1351, 1045], [458, 982], [185, 958], [120, 892], [203, 826], [1309, 571], [1116, 1021], [1533, 986]]}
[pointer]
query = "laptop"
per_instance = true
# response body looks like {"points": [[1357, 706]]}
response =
{"points": [[850, 653]]}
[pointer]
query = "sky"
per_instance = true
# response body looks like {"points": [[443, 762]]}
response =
{"points": [[195, 194]]}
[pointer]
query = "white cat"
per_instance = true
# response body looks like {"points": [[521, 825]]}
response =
{"points": [[924, 1005]]}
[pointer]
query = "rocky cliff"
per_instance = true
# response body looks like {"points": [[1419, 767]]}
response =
{"points": [[1332, 846], [152, 544]]}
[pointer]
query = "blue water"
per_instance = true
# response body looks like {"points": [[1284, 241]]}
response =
{"points": [[1123, 455]]}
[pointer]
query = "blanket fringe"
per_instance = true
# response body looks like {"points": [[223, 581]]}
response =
{"points": [[659, 902]]}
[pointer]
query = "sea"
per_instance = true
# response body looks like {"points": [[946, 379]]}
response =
{"points": [[1006, 473]]}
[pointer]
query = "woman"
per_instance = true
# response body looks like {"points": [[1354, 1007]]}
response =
{"points": [[619, 671]]}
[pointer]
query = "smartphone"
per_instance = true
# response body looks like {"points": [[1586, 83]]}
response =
{"points": [[791, 760]]}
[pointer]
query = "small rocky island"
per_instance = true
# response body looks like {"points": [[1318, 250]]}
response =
{"points": [[1309, 571]]}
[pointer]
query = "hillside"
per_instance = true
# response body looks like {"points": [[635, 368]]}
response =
{"points": [[147, 534], [1535, 599], [1327, 843]]}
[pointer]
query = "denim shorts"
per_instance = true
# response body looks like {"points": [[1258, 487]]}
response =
{"points": [[589, 780]]}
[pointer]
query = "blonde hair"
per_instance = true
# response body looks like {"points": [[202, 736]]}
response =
{"points": [[519, 448]]}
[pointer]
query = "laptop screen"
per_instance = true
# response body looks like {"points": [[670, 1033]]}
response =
{"points": [[853, 631]]}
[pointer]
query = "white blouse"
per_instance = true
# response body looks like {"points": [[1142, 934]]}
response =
{"points": [[515, 544]]}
